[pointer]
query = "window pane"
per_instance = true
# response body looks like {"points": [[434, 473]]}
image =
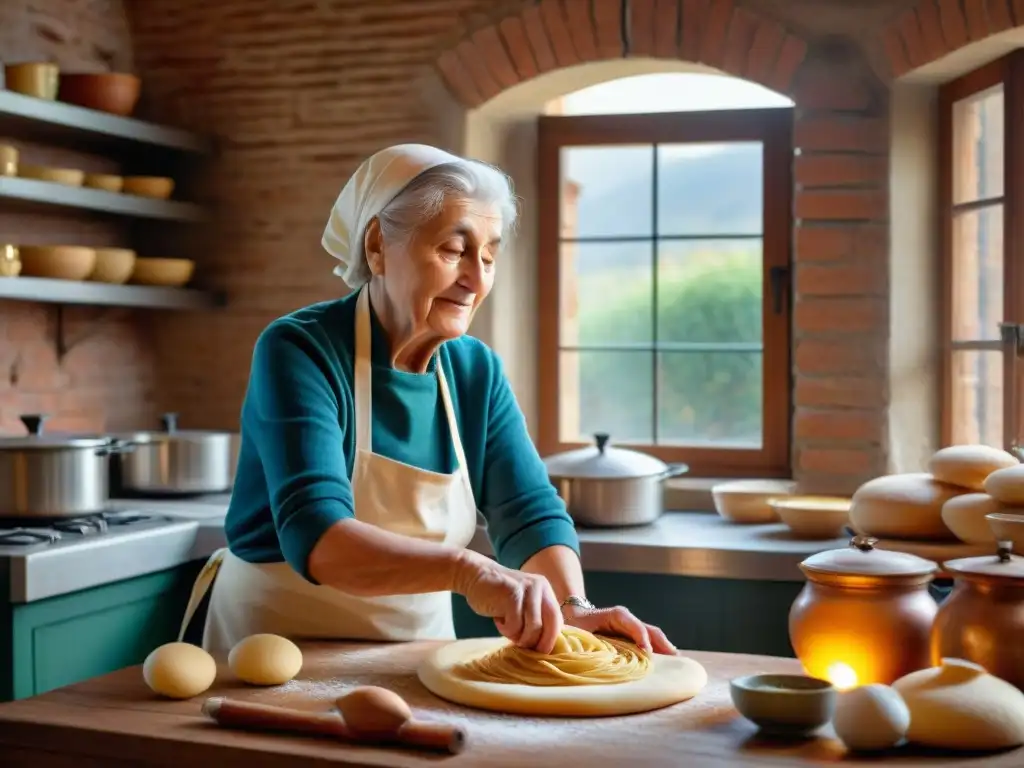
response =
{"points": [[978, 146], [710, 189], [977, 273], [710, 291], [977, 397], [606, 391], [607, 291], [607, 191], [710, 399]]}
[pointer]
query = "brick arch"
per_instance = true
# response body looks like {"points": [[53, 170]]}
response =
{"points": [[554, 34], [933, 29], [839, 354]]}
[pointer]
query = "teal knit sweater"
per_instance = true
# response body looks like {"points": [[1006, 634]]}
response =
{"points": [[298, 439]]}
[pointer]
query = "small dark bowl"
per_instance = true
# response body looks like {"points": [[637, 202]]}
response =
{"points": [[784, 705]]}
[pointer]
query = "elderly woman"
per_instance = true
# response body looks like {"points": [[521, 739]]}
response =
{"points": [[374, 429]]}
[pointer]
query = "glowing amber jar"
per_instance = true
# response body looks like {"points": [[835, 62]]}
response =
{"points": [[983, 619], [864, 616]]}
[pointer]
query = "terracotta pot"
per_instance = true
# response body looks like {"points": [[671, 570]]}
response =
{"points": [[864, 615], [983, 618]]}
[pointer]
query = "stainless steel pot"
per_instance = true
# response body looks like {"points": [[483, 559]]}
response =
{"points": [[608, 487], [52, 476], [178, 461]]}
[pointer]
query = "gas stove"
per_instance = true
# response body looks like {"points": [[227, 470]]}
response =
{"points": [[48, 557], [35, 532]]}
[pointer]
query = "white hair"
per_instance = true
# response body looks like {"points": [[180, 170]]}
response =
{"points": [[423, 198]]}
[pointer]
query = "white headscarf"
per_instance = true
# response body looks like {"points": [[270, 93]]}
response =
{"points": [[374, 184]]}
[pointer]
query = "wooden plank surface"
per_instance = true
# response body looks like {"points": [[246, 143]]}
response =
{"points": [[115, 720]]}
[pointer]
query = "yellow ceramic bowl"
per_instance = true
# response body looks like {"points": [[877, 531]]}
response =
{"points": [[746, 501], [813, 517], [70, 177]]}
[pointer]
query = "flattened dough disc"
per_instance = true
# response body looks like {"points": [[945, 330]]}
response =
{"points": [[671, 679]]}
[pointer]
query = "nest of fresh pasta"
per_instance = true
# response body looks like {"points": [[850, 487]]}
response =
{"points": [[578, 658]]}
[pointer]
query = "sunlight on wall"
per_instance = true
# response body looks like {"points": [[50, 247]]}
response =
{"points": [[667, 92]]}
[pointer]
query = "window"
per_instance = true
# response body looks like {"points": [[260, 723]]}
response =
{"points": [[982, 207], [664, 283]]}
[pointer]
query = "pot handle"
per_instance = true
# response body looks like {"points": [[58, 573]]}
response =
{"points": [[170, 422], [34, 423], [674, 470], [116, 446]]}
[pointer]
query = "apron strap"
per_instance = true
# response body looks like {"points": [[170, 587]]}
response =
{"points": [[363, 388], [202, 585], [453, 425], [363, 405]]}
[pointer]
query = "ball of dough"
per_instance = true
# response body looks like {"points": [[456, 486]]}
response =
{"points": [[969, 465], [179, 670], [965, 516], [871, 718], [265, 660], [960, 706], [374, 711], [907, 506], [1007, 485]]}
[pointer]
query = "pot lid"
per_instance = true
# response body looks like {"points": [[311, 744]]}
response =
{"points": [[36, 439], [1003, 565], [602, 461], [169, 430], [862, 559]]}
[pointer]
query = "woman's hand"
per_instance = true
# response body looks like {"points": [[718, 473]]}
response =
{"points": [[619, 621], [523, 605]]}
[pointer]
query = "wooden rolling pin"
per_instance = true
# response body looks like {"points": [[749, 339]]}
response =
{"points": [[371, 715]]}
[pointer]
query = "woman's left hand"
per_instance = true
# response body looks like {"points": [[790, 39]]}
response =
{"points": [[619, 621]]}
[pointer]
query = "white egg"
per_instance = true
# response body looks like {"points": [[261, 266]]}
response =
{"points": [[871, 718]]}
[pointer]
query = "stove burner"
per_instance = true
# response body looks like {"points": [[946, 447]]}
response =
{"points": [[14, 532], [26, 537]]}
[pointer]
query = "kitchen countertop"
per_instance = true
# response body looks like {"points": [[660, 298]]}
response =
{"points": [[114, 720], [694, 544]]}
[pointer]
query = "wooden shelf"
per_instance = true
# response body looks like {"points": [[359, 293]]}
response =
{"points": [[46, 121], [48, 193], [106, 295]]}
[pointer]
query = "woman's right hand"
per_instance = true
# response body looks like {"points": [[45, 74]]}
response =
{"points": [[523, 605]]}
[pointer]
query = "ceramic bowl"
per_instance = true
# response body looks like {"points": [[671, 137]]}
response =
{"points": [[169, 273], [113, 265], [1008, 527], [746, 501], [157, 187], [57, 262], [813, 517], [71, 177], [34, 78], [784, 705], [113, 92]]}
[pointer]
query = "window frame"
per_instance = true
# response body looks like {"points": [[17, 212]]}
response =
{"points": [[773, 128], [1007, 71]]}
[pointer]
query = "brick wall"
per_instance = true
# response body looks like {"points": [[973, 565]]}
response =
{"points": [[301, 96], [299, 93], [107, 380]]}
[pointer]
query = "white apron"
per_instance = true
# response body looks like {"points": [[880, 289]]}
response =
{"points": [[249, 598]]}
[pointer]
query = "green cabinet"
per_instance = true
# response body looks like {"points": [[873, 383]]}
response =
{"points": [[697, 614], [70, 638]]}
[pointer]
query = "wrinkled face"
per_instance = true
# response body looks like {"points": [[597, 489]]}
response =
{"points": [[436, 281]]}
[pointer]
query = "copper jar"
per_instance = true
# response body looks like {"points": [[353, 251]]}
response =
{"points": [[982, 620], [864, 615]]}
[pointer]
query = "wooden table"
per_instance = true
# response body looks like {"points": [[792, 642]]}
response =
{"points": [[114, 722]]}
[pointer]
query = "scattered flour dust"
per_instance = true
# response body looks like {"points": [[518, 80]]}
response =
{"points": [[375, 665]]}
